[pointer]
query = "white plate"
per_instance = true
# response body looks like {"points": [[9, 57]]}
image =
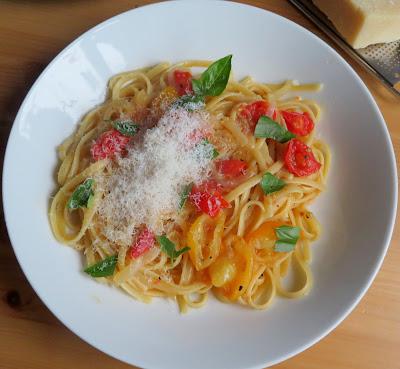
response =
{"points": [[357, 212]]}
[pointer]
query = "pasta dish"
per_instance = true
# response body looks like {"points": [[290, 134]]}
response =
{"points": [[186, 182]]}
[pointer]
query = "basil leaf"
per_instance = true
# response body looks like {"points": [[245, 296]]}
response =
{"points": [[267, 128], [80, 197], [185, 194], [103, 268], [205, 149], [214, 79], [269, 183], [214, 152], [287, 238], [90, 201], [126, 126], [288, 233], [168, 247], [189, 102], [281, 246]]}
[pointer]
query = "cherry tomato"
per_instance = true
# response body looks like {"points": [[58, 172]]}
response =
{"points": [[198, 135], [182, 82], [240, 261], [204, 239], [162, 102], [299, 159], [210, 186], [108, 144], [231, 168], [253, 111], [208, 199], [143, 242], [300, 124], [222, 271]]}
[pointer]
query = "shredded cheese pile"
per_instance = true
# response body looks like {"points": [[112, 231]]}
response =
{"points": [[146, 186]]}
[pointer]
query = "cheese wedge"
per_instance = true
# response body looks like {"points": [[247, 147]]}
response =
{"points": [[364, 22]]}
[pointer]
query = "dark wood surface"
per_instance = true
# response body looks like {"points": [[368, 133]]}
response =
{"points": [[31, 34]]}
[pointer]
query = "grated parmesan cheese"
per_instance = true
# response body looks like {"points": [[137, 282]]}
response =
{"points": [[145, 187]]}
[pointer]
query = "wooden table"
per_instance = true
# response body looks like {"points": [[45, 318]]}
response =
{"points": [[31, 34]]}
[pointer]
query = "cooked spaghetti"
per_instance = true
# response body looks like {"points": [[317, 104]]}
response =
{"points": [[183, 184]]}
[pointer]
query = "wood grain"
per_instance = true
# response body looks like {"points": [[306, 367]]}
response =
{"points": [[31, 34]]}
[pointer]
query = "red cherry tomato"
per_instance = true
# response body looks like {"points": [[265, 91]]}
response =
{"points": [[231, 168], [253, 111], [144, 242], [299, 159], [108, 144], [209, 186], [300, 124], [182, 82], [208, 199], [198, 135]]}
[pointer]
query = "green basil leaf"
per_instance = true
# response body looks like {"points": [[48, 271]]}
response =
{"points": [[287, 238], [267, 128], [90, 201], [168, 247], [181, 251], [189, 102], [126, 126], [282, 246], [185, 194], [269, 183], [103, 268], [81, 195], [214, 79], [205, 149], [288, 233], [214, 151]]}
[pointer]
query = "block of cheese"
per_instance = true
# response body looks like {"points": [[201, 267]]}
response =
{"points": [[364, 22]]}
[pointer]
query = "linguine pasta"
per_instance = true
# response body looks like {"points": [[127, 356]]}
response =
{"points": [[237, 253]]}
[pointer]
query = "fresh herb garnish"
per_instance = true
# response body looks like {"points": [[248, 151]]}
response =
{"points": [[103, 268], [269, 183], [185, 194], [205, 149], [287, 237], [212, 82], [214, 152], [267, 128], [126, 126], [90, 201], [168, 247], [82, 197], [214, 79], [189, 102]]}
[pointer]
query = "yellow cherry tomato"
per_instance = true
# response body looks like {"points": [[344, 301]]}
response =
{"points": [[160, 103], [241, 256], [204, 239], [222, 271], [263, 241]]}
